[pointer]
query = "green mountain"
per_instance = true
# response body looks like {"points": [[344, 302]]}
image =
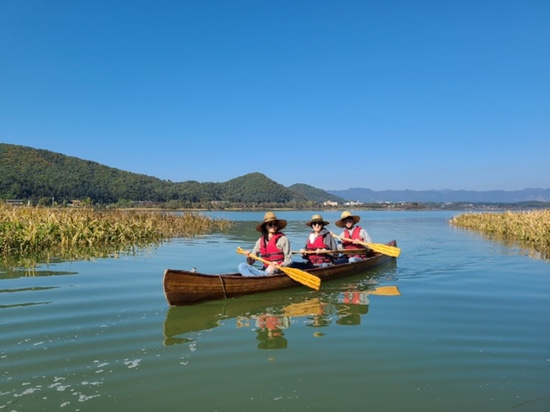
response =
{"points": [[40, 175], [257, 188]]}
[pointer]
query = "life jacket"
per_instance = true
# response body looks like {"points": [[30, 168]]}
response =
{"points": [[346, 244], [269, 250], [319, 243]]}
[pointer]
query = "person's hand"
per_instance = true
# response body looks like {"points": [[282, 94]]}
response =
{"points": [[249, 260], [271, 269]]}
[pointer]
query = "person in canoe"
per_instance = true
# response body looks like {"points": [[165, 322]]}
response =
{"points": [[319, 240], [353, 235], [272, 246]]}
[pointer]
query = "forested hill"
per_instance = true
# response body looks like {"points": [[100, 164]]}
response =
{"points": [[40, 175]]}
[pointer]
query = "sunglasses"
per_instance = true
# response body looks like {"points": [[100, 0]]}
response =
{"points": [[348, 219], [317, 224], [272, 224]]}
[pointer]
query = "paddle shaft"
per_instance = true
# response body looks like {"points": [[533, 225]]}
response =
{"points": [[330, 252], [377, 247]]}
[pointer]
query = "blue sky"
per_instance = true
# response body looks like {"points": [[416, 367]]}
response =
{"points": [[336, 94]]}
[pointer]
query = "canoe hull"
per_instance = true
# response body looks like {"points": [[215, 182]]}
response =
{"points": [[182, 287]]}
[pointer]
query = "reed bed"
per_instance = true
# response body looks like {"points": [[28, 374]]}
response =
{"points": [[530, 228], [85, 232]]}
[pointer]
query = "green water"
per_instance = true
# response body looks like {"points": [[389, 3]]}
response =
{"points": [[469, 331]]}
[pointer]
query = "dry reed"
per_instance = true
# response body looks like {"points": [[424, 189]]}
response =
{"points": [[530, 228], [85, 232]]}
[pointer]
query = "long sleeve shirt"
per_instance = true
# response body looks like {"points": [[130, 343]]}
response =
{"points": [[282, 243]]}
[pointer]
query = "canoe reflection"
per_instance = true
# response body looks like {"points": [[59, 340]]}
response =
{"points": [[271, 317]]}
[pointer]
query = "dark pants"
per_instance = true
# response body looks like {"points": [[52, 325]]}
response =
{"points": [[301, 265]]}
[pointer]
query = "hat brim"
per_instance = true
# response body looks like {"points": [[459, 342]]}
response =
{"points": [[281, 224], [324, 222], [340, 223]]}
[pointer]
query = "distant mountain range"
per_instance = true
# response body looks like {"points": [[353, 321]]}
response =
{"points": [[443, 196]]}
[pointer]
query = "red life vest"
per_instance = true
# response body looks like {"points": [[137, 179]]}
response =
{"points": [[319, 243], [353, 235], [269, 250]]}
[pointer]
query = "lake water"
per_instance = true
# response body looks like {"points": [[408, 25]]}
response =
{"points": [[470, 330]]}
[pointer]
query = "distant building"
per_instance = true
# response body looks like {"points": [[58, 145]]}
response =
{"points": [[330, 203]]}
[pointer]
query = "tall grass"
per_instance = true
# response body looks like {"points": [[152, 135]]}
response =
{"points": [[530, 229], [84, 232]]}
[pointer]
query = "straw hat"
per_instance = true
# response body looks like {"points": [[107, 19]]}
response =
{"points": [[270, 217], [345, 215], [316, 218]]}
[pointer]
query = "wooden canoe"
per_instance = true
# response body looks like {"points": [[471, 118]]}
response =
{"points": [[182, 287]]}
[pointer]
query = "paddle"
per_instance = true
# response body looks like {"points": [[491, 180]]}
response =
{"points": [[377, 247], [330, 252], [313, 306], [298, 275]]}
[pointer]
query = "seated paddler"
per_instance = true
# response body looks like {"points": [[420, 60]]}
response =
{"points": [[318, 243], [272, 246], [353, 236]]}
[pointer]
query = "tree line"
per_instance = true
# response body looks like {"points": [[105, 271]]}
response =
{"points": [[44, 177]]}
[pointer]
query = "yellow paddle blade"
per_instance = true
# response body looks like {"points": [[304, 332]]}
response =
{"points": [[298, 275], [393, 251], [303, 277], [385, 291]]}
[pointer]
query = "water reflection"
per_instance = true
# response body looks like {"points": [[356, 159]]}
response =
{"points": [[18, 305], [31, 262], [270, 316], [533, 250], [25, 296], [539, 250], [15, 273], [269, 330]]}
